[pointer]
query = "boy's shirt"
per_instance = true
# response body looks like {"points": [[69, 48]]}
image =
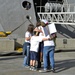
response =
{"points": [[35, 43]]}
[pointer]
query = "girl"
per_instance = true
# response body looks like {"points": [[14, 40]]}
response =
{"points": [[26, 45]]}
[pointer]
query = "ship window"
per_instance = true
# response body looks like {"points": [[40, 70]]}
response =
{"points": [[26, 5]]}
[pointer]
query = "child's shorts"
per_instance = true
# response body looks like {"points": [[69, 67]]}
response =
{"points": [[33, 55]]}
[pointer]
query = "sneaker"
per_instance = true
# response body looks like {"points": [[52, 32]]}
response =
{"points": [[31, 67], [26, 66], [44, 70], [34, 69], [53, 70]]}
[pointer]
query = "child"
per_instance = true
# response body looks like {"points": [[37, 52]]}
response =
{"points": [[26, 45]]}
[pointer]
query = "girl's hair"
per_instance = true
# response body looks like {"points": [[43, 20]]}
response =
{"points": [[30, 28]]}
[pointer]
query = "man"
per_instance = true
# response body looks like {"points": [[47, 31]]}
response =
{"points": [[49, 46]]}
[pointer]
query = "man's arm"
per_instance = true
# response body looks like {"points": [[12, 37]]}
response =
{"points": [[53, 36]]}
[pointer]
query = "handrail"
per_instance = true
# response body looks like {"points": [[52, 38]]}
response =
{"points": [[58, 17], [63, 7]]}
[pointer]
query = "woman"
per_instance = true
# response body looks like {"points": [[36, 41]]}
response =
{"points": [[40, 49]]}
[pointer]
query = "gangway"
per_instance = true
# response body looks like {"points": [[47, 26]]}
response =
{"points": [[59, 17]]}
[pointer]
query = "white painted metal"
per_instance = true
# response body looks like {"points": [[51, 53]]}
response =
{"points": [[61, 17]]}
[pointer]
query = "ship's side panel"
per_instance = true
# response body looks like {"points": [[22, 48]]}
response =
{"points": [[12, 15]]}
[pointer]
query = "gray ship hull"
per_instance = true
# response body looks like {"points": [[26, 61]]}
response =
{"points": [[13, 15]]}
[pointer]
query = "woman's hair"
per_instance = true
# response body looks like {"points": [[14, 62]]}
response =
{"points": [[43, 24], [30, 28], [38, 24]]}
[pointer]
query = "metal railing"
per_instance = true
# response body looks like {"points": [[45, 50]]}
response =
{"points": [[59, 17], [63, 7]]}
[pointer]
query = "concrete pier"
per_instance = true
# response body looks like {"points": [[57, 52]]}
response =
{"points": [[13, 65]]}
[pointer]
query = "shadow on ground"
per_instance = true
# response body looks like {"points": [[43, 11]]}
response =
{"points": [[64, 65]]}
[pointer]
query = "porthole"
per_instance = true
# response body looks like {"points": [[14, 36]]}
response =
{"points": [[26, 5]]}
